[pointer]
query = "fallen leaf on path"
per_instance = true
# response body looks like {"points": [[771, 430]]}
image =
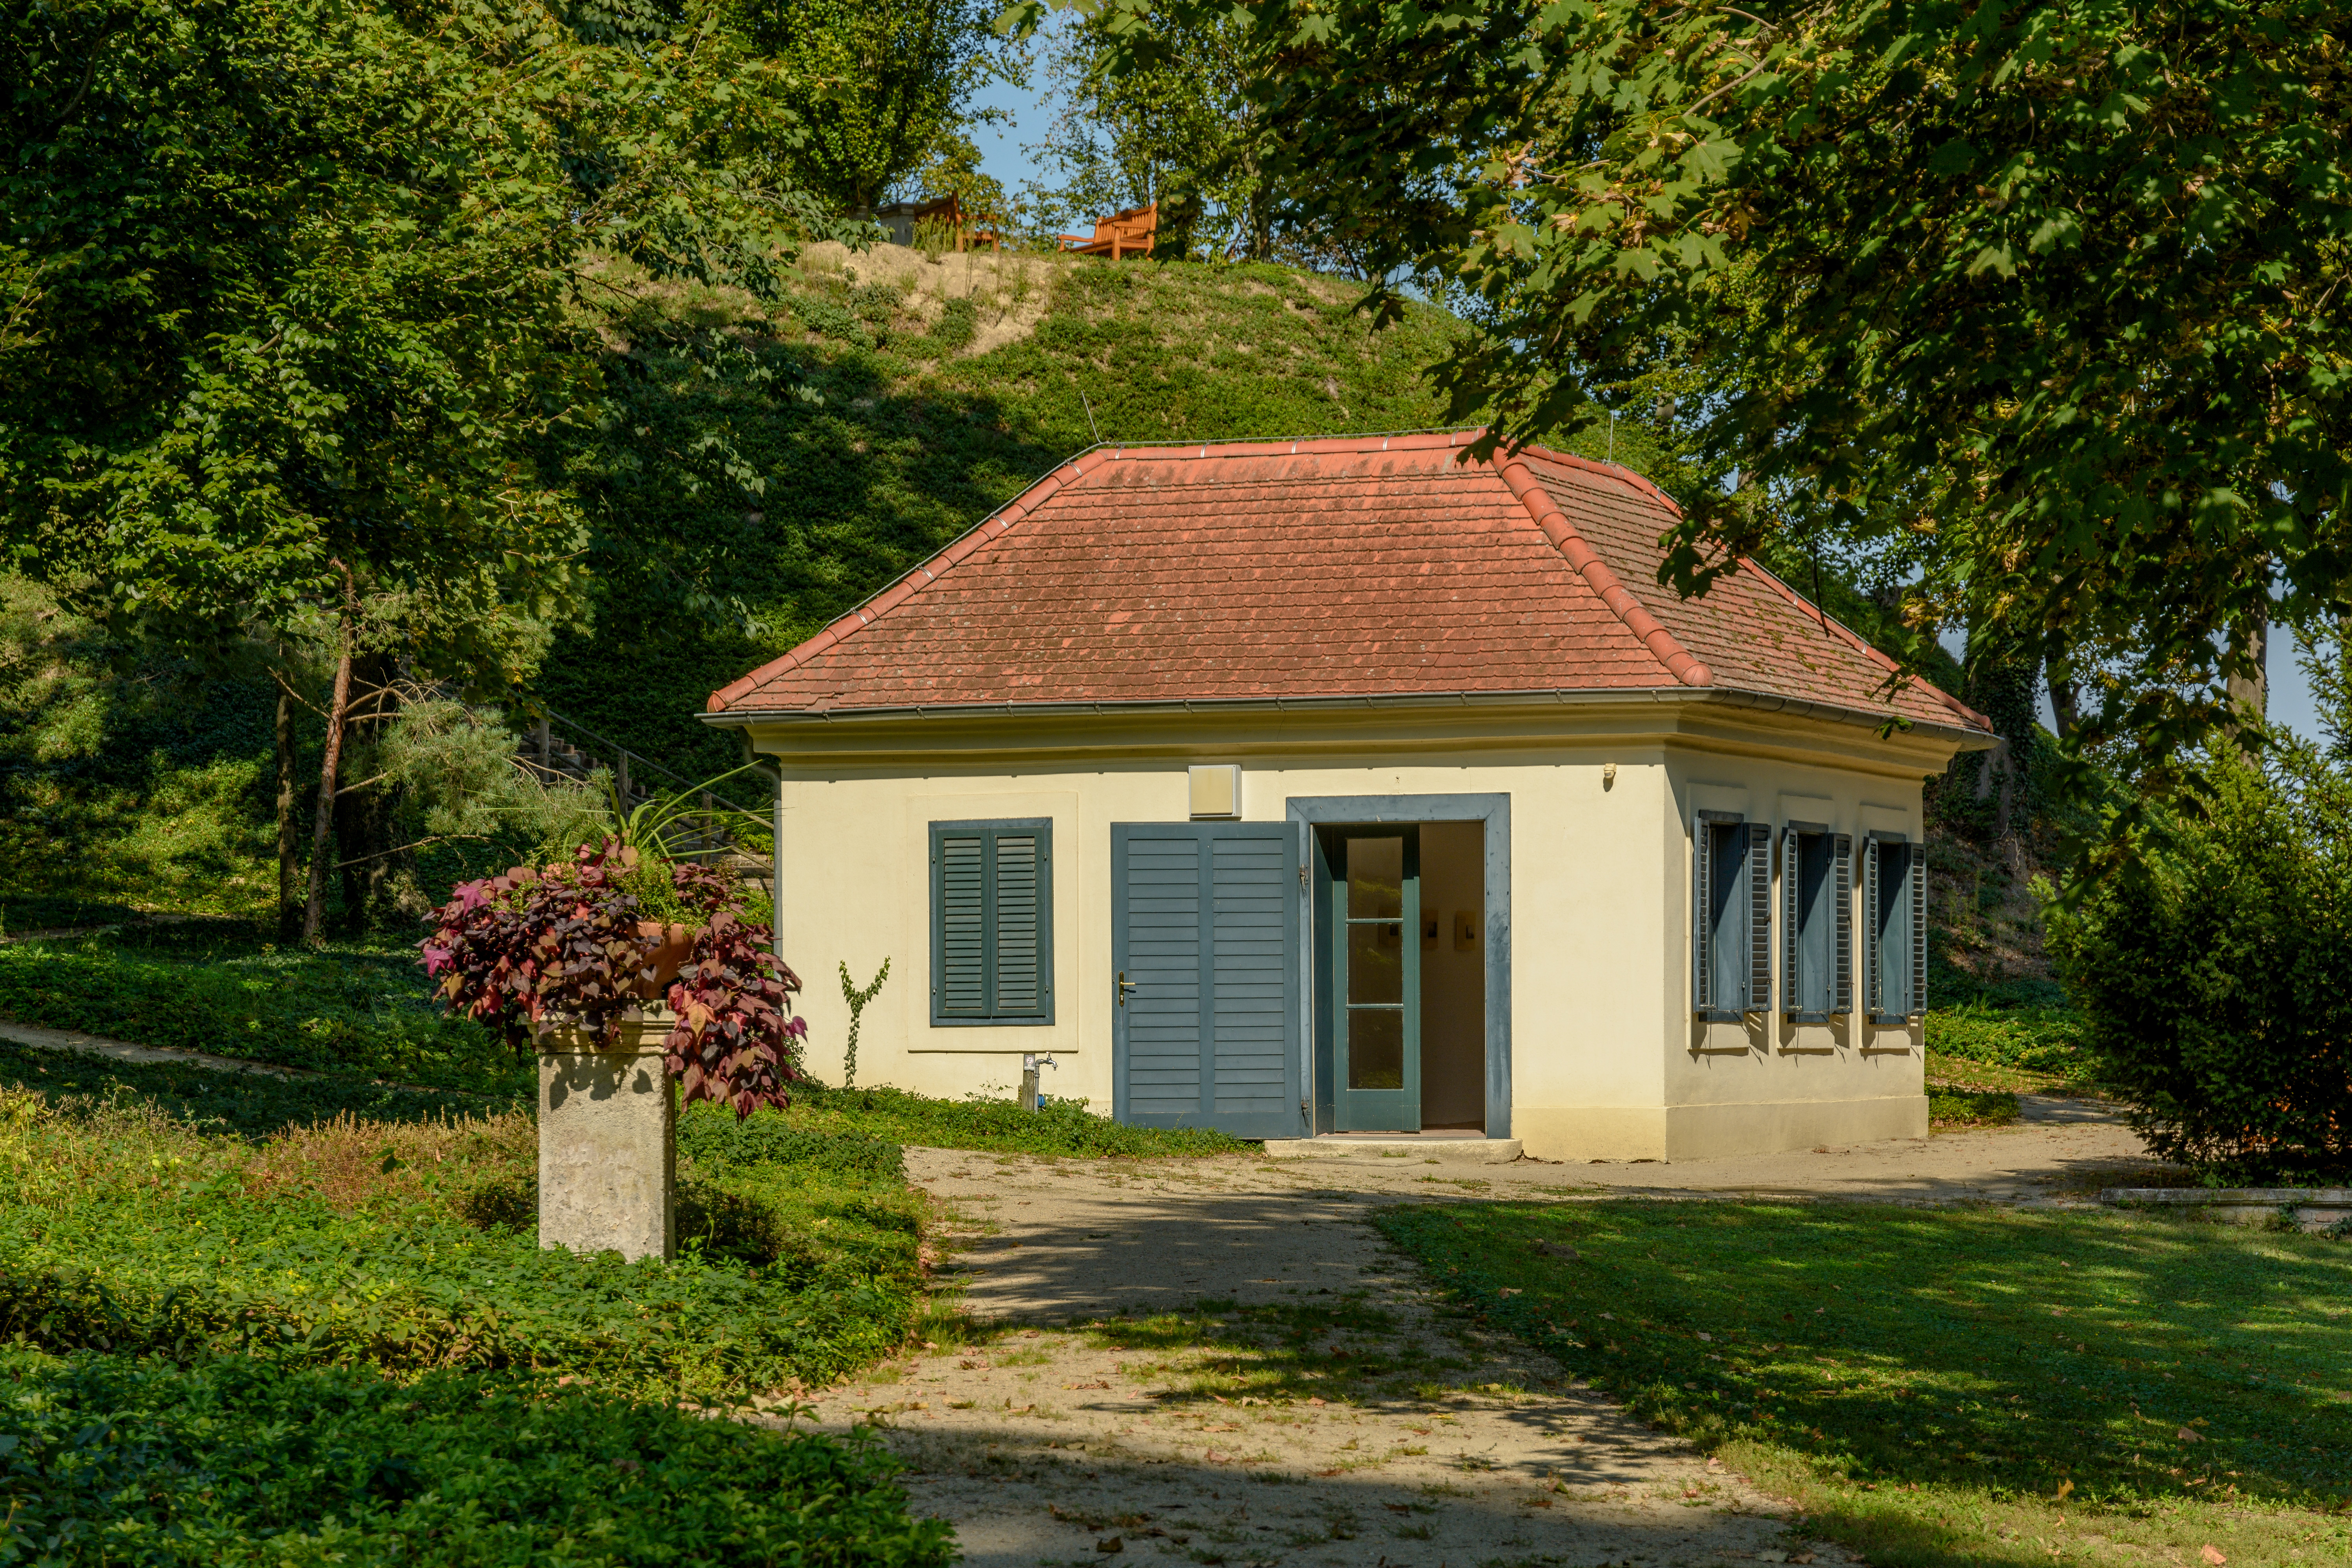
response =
{"points": [[2186, 1436], [1097, 1383], [1113, 1545], [2212, 1555], [1315, 1401]]}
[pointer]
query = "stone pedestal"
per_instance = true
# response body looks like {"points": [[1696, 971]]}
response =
{"points": [[608, 1141]]}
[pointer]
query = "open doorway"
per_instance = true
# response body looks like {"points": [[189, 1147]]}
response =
{"points": [[1452, 976], [1401, 962]]}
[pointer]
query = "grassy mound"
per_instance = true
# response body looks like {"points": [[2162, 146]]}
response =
{"points": [[105, 1459]]}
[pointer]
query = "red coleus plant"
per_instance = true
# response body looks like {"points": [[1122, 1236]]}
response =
{"points": [[577, 945]]}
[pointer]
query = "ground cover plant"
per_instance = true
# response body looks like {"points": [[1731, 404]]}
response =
{"points": [[1952, 1386], [1059, 1127], [1950, 1108], [131, 1222], [222, 986], [234, 1461]]}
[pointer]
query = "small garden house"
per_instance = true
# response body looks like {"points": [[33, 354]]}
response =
{"points": [[1318, 787]]}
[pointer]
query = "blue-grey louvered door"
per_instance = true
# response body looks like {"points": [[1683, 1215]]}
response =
{"points": [[1205, 953]]}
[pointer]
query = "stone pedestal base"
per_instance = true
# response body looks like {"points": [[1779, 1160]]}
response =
{"points": [[608, 1142]]}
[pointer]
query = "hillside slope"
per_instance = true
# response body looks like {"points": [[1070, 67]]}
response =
{"points": [[900, 399]]}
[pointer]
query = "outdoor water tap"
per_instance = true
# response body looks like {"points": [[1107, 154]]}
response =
{"points": [[1030, 1062]]}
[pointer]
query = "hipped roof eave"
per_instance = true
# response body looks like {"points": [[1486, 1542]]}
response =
{"points": [[1966, 738]]}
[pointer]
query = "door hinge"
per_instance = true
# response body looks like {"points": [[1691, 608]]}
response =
{"points": [[1302, 876]]}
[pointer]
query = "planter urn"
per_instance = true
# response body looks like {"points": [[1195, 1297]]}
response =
{"points": [[608, 1140]]}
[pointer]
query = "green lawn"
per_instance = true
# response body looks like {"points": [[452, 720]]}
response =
{"points": [[1953, 1388], [218, 986]]}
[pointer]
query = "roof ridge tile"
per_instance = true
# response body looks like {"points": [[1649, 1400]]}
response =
{"points": [[1679, 661]]}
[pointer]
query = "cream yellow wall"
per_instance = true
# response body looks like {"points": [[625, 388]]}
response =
{"points": [[1605, 1061], [1768, 1084]]}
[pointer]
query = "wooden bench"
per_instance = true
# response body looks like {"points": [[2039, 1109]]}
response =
{"points": [[1128, 233]]}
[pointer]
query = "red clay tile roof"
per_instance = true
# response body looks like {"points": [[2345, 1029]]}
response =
{"points": [[1351, 566]]}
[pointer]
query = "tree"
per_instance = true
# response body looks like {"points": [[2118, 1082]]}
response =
{"points": [[2082, 263], [301, 346], [877, 85], [1184, 130]]}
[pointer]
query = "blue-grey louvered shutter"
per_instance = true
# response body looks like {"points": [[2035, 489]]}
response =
{"points": [[959, 982], [1702, 916], [1206, 927], [1917, 858], [993, 922], [1873, 989], [1791, 858], [1758, 903], [1841, 938], [1017, 941]]}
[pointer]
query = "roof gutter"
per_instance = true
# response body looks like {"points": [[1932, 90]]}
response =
{"points": [[1767, 702]]}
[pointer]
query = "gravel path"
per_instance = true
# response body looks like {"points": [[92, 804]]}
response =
{"points": [[1050, 1442]]}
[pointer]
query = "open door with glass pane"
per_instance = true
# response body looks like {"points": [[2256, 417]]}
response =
{"points": [[1371, 922]]}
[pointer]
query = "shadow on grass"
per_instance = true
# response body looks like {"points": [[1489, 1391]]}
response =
{"points": [[2125, 1359]]}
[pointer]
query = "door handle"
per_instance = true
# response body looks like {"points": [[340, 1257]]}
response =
{"points": [[1125, 985]]}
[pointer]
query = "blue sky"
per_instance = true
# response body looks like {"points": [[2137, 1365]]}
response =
{"points": [[1000, 156]]}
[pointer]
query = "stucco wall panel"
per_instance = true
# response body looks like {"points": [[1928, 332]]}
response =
{"points": [[1607, 1060]]}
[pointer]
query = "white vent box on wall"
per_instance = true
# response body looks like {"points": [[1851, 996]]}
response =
{"points": [[1216, 790]]}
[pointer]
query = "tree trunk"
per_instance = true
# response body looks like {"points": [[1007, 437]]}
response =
{"points": [[2251, 693], [323, 833], [289, 842], [363, 815], [2063, 707]]}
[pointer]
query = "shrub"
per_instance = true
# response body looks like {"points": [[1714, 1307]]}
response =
{"points": [[108, 1460], [2211, 976]]}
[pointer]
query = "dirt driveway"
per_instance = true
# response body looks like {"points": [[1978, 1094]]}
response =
{"points": [[1051, 1442]]}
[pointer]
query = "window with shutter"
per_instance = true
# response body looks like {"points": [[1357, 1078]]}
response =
{"points": [[1731, 915], [1760, 918], [1813, 911], [993, 922], [1841, 933], [1896, 900]]}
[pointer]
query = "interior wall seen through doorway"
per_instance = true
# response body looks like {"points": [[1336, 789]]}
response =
{"points": [[1453, 977]]}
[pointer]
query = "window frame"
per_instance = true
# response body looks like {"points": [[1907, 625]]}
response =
{"points": [[990, 829]]}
